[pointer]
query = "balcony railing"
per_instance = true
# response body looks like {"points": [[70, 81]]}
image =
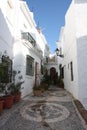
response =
{"points": [[27, 36]]}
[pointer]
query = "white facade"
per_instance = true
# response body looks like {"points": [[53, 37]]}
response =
{"points": [[6, 37], [52, 63], [16, 20], [74, 41]]}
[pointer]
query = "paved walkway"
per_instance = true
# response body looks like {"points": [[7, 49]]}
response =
{"points": [[53, 110]]}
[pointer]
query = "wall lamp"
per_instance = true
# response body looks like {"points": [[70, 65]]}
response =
{"points": [[58, 53]]}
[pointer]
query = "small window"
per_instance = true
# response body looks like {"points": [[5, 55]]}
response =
{"points": [[62, 72], [68, 66], [71, 67], [29, 66], [60, 51]]}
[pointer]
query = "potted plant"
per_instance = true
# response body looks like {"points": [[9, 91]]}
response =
{"points": [[37, 90], [16, 91], [45, 82], [1, 105], [5, 79], [7, 97], [16, 86], [1, 94], [60, 82]]}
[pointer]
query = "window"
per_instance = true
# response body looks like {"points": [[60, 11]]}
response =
{"points": [[60, 51], [29, 65], [71, 67], [41, 67], [68, 66], [62, 72]]}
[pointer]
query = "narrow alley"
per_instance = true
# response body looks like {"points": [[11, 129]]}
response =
{"points": [[53, 110]]}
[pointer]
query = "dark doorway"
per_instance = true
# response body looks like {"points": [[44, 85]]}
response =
{"points": [[52, 75]]}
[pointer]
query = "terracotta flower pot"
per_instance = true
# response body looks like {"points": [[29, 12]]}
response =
{"points": [[17, 97], [1, 105], [8, 101], [37, 92]]}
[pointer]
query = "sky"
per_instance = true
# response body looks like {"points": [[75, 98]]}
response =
{"points": [[49, 15]]}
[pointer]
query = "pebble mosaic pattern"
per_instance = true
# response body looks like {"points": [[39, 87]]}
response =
{"points": [[54, 110], [50, 96], [49, 112]]}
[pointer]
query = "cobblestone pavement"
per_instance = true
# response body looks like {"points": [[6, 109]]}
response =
{"points": [[53, 110]]}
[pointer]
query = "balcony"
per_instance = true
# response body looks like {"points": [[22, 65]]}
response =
{"points": [[27, 36]]}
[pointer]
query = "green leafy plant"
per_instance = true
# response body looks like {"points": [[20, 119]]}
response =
{"points": [[16, 85], [5, 89], [5, 69], [46, 79], [15, 88], [2, 88], [60, 82]]}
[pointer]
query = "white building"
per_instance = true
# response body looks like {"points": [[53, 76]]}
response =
{"points": [[74, 42], [6, 28], [52, 64], [24, 44]]}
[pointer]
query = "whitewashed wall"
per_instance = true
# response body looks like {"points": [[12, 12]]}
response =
{"points": [[15, 19], [81, 34], [80, 15], [70, 52], [27, 24], [6, 39], [20, 52], [74, 39], [82, 69]]}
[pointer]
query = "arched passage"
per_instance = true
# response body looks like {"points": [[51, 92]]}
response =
{"points": [[53, 75]]}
